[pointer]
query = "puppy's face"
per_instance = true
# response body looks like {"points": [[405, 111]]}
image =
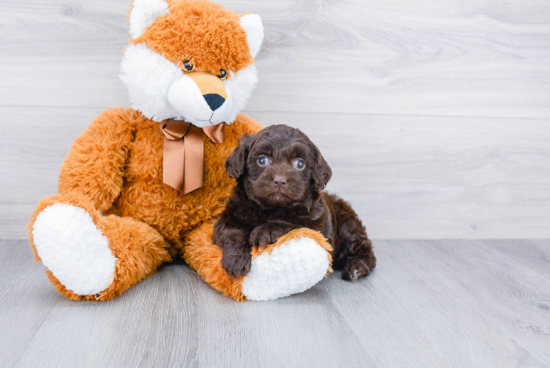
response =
{"points": [[279, 167]]}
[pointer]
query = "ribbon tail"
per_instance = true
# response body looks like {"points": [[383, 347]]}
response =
{"points": [[173, 164], [194, 159]]}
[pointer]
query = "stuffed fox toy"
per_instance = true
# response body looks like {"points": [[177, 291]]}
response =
{"points": [[143, 185]]}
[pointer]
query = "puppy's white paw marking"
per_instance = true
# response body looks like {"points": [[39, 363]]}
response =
{"points": [[74, 249], [356, 275], [291, 268]]}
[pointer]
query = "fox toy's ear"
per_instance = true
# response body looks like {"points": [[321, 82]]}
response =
{"points": [[144, 13], [252, 24]]}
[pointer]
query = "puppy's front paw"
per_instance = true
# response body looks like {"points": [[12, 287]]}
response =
{"points": [[236, 264], [357, 268], [265, 234], [260, 237]]}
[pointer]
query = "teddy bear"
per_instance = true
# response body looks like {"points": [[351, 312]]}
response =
{"points": [[143, 185]]}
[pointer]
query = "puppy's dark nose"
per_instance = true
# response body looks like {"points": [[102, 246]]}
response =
{"points": [[214, 100], [279, 181]]}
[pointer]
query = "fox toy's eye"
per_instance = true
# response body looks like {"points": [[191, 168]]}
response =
{"points": [[299, 164], [187, 66], [263, 161], [222, 75]]}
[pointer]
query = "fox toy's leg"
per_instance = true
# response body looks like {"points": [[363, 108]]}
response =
{"points": [[88, 256], [296, 262]]}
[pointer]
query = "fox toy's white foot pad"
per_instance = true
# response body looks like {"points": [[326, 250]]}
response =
{"points": [[291, 268], [72, 247]]}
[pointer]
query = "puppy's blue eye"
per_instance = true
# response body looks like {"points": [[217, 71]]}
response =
{"points": [[299, 164], [263, 161]]}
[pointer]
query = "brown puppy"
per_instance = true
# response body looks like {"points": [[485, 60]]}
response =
{"points": [[280, 180]]}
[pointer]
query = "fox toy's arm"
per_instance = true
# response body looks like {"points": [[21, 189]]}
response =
{"points": [[95, 164]]}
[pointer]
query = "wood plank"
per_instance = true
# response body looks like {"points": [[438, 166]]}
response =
{"points": [[32, 148], [27, 300], [150, 321], [14, 218], [449, 303], [532, 253], [467, 58], [427, 304], [407, 176], [252, 334]]}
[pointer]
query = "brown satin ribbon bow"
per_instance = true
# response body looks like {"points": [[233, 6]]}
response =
{"points": [[184, 152]]}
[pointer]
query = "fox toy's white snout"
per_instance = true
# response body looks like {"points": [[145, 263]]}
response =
{"points": [[200, 109]]}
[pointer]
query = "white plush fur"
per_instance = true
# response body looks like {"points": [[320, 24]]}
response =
{"points": [[186, 98], [240, 86], [74, 249], [160, 90], [144, 13], [292, 268], [252, 24], [148, 76]]}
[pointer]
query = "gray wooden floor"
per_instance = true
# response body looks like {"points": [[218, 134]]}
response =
{"points": [[435, 303]]}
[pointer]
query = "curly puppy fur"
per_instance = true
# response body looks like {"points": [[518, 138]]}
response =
{"points": [[280, 176]]}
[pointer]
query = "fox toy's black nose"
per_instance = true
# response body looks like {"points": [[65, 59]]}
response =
{"points": [[214, 100]]}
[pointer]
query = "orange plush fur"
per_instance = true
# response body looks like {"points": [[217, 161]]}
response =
{"points": [[190, 33], [115, 167], [114, 170]]}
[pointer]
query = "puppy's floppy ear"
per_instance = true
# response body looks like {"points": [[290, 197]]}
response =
{"points": [[236, 162], [322, 172]]}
